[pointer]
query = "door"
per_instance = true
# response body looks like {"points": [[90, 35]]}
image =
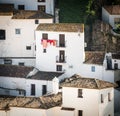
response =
{"points": [[62, 56], [44, 89]]}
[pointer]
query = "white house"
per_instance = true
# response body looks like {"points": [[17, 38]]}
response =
{"points": [[27, 81], [42, 5], [88, 96], [111, 14], [17, 35], [60, 47]]}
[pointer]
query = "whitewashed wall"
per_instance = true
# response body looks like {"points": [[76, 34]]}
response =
{"points": [[88, 102], [74, 52], [38, 86], [15, 44], [107, 107], [16, 111], [32, 4]]}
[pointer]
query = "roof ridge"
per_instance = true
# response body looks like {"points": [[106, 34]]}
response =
{"points": [[97, 83]]}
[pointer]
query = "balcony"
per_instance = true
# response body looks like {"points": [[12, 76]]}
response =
{"points": [[62, 44], [61, 59]]}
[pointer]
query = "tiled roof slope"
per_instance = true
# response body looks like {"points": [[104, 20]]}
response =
{"points": [[25, 14], [40, 75], [115, 56], [6, 9], [62, 27], [14, 71], [94, 57], [113, 9], [90, 83], [43, 102]]}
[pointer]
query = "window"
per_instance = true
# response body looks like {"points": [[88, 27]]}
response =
{"points": [[36, 21], [59, 67], [44, 36], [28, 47], [102, 100], [41, 0], [21, 63], [44, 51], [21, 92], [93, 68], [80, 113], [32, 89], [62, 40], [109, 97], [17, 31], [117, 20], [115, 65], [21, 7], [44, 89], [7, 61], [41, 8], [2, 34], [80, 93]]}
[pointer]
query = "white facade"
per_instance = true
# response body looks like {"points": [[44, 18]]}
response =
{"points": [[19, 47], [32, 4], [73, 55], [90, 106], [15, 85]]}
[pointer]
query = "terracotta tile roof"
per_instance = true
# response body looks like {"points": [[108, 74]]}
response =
{"points": [[43, 102], [113, 9], [62, 27], [42, 75], [94, 57], [90, 83], [14, 71], [115, 56], [6, 9], [25, 14]]}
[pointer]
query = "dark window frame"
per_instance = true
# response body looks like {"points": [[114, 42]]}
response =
{"points": [[59, 68], [36, 21], [45, 36], [80, 113], [17, 31], [28, 47], [33, 92], [21, 7], [102, 98], [80, 93], [109, 97], [41, 1], [2, 34], [42, 8]]}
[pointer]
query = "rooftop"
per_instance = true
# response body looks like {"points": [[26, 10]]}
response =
{"points": [[6, 9], [62, 27], [27, 14], [113, 9], [42, 75], [43, 102], [94, 57], [116, 56], [90, 83], [14, 71]]}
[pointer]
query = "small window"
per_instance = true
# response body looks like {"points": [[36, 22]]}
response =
{"points": [[41, 8], [59, 67], [7, 61], [2, 34], [17, 31], [80, 113], [41, 0], [44, 51], [32, 89], [93, 68], [21, 92], [102, 100], [21, 64], [28, 47], [109, 97], [21, 7], [80, 93], [44, 36], [36, 21], [115, 65]]}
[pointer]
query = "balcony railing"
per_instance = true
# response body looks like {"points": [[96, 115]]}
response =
{"points": [[60, 60]]}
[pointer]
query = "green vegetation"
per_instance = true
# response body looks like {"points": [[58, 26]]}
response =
{"points": [[72, 11]]}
